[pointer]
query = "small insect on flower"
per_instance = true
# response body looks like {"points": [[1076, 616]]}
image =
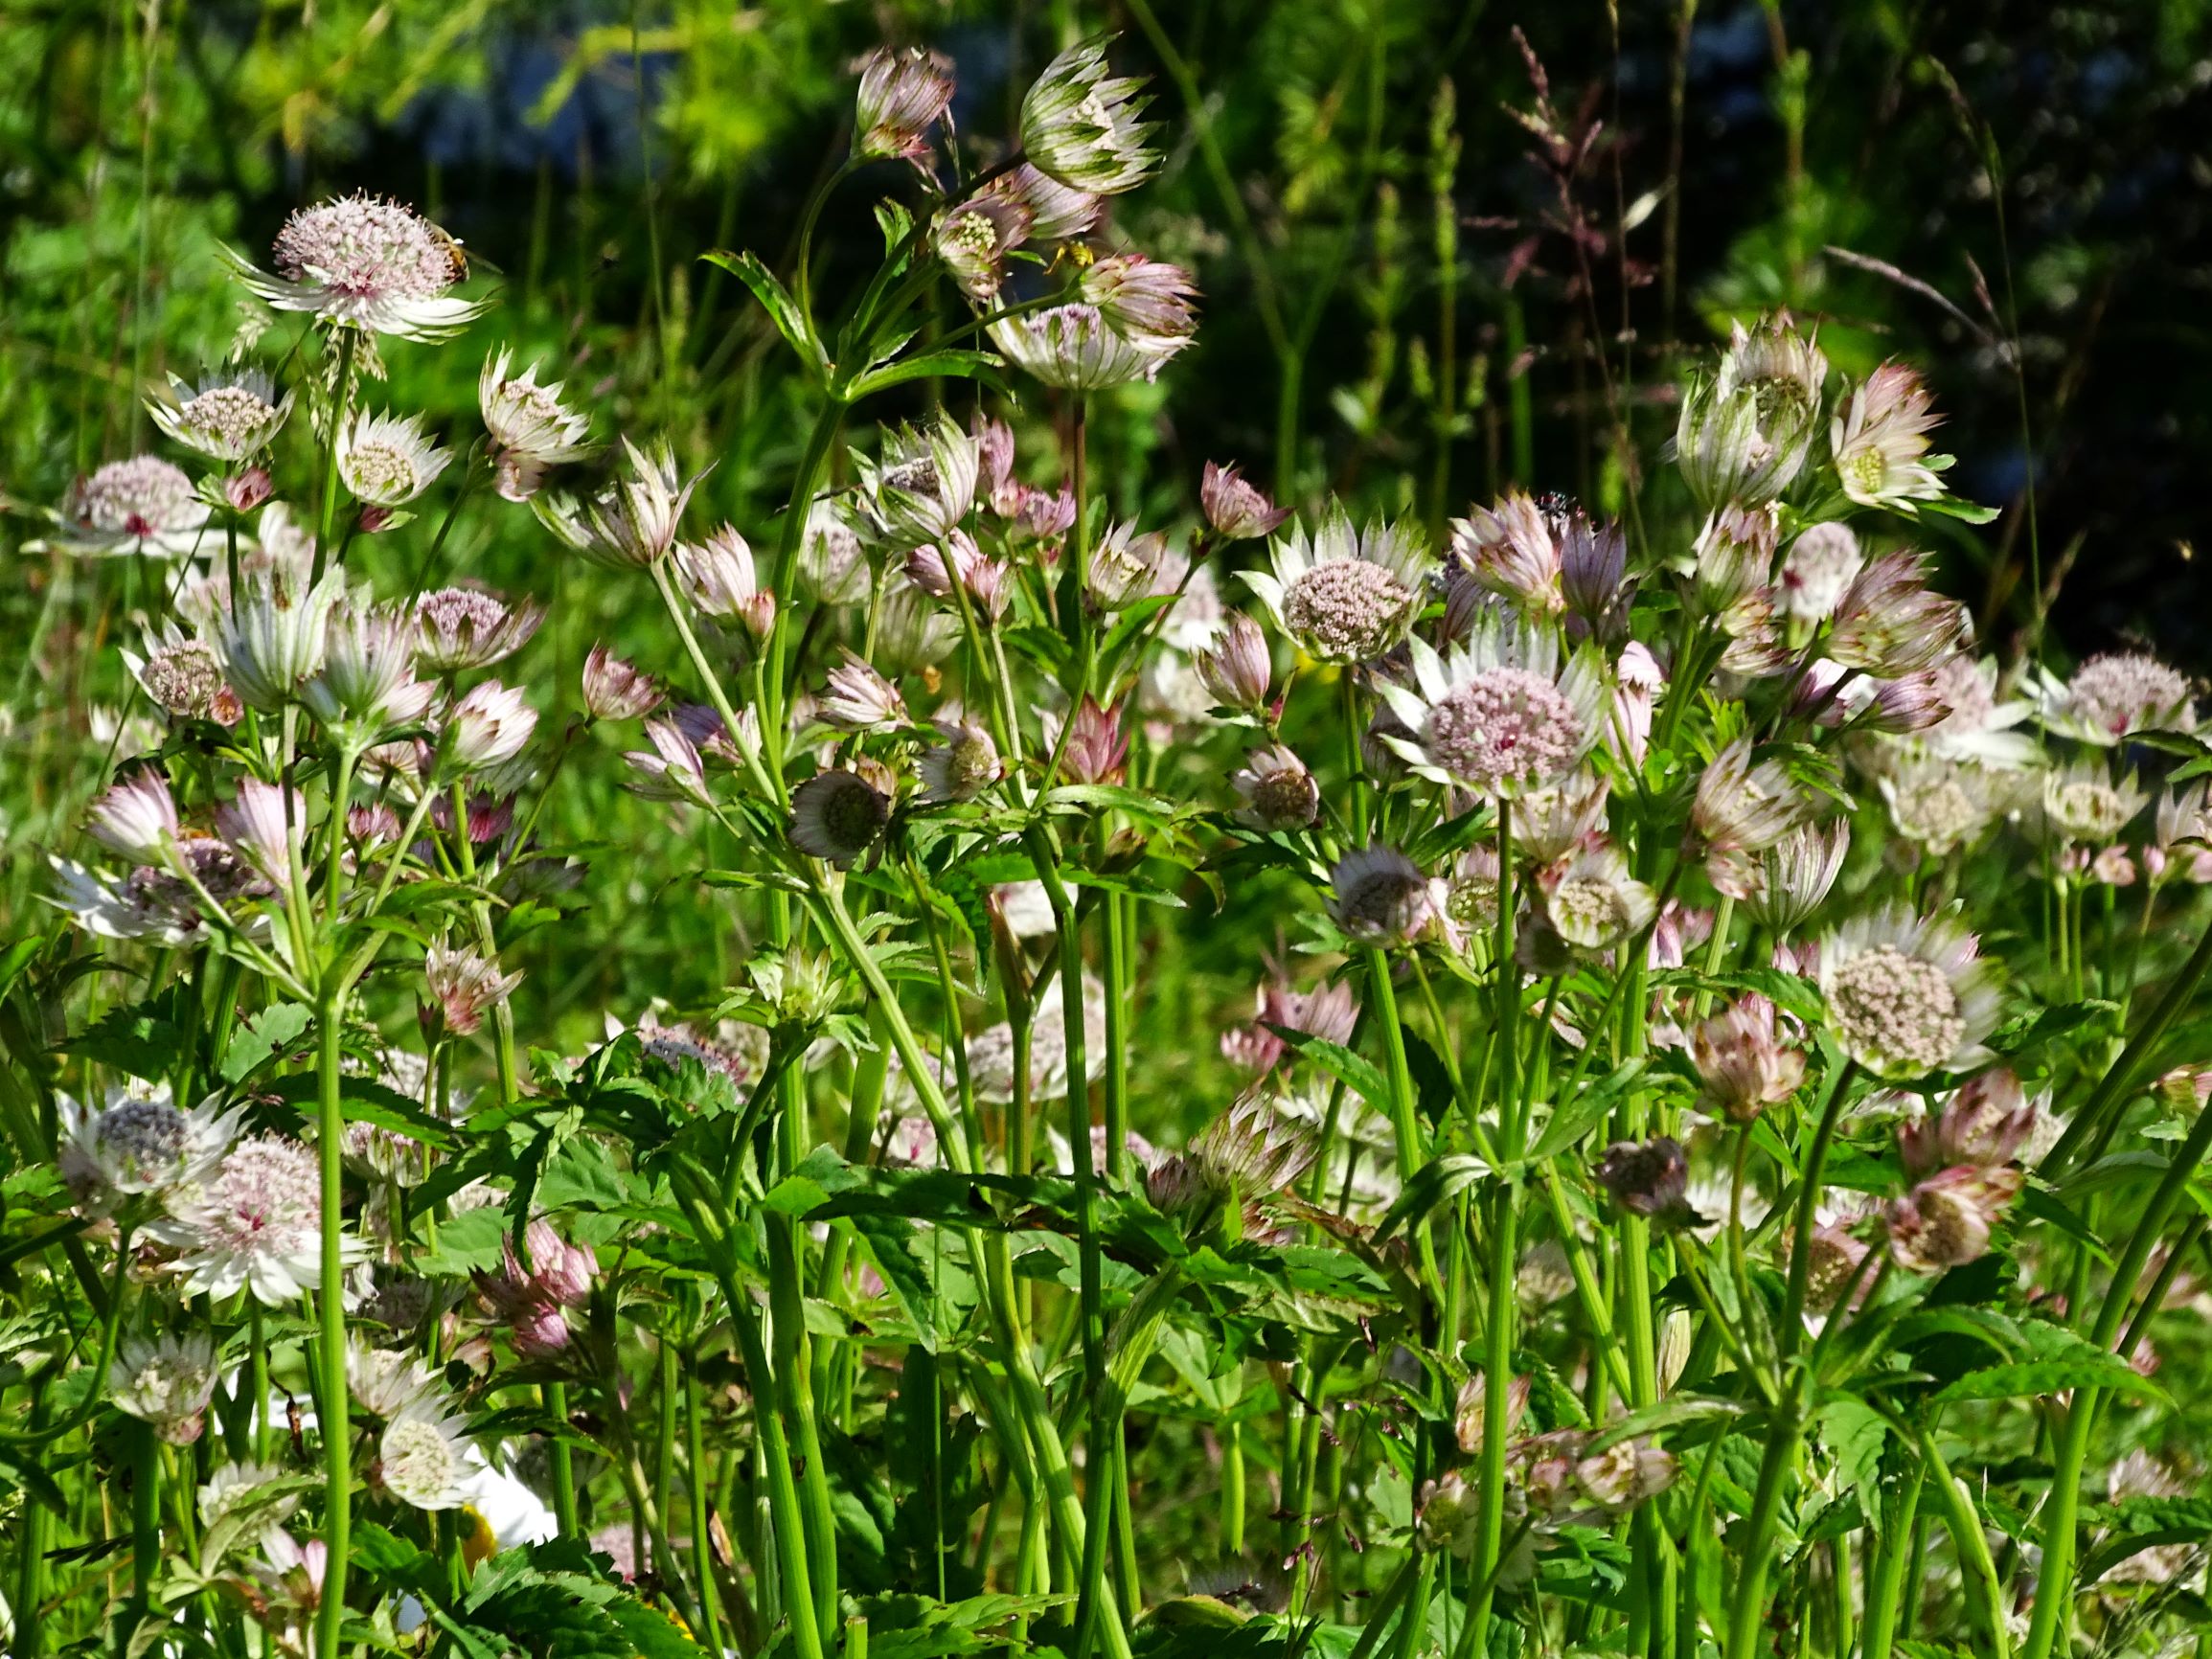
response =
{"points": [[1501, 714], [466, 628], [1745, 433], [139, 1143], [837, 816], [903, 93], [614, 690], [1275, 792], [143, 506], [165, 1382], [1081, 126], [1907, 995], [1345, 596], [227, 416], [369, 265], [1381, 897], [1236, 508]]}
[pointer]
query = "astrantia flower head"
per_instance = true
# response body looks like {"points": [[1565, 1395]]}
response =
{"points": [[463, 984], [634, 523], [1794, 875], [1939, 805], [1146, 301], [1097, 750], [367, 683], [466, 628], [256, 1224], [1817, 570], [1595, 903], [2084, 803], [1745, 434], [1345, 596], [1743, 1062], [258, 825], [1080, 124], [902, 95], [614, 690], [1988, 1124], [859, 699], [273, 635], [2115, 695], [923, 484], [963, 764], [1236, 508], [1126, 566], [422, 1459], [674, 771], [386, 1383], [1275, 791], [145, 505], [373, 265], [1743, 806], [150, 903], [1889, 623], [837, 816], [1501, 714], [1075, 348], [1907, 995], [1735, 553], [1648, 1178], [973, 239], [1946, 1220], [181, 673], [166, 1382], [721, 579], [1379, 897], [1511, 549], [530, 428], [1235, 668], [141, 1141], [136, 816], [228, 416], [1879, 437], [489, 727]]}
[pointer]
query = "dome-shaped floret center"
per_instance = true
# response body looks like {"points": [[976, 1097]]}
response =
{"points": [[852, 813], [268, 1196], [1347, 609], [229, 414], [420, 1465], [183, 678], [1285, 796], [140, 496], [1473, 901], [1938, 813], [1506, 726], [2088, 807], [2122, 690], [1830, 1266], [971, 764], [1589, 911], [972, 236], [460, 615], [140, 1141], [1895, 1011], [379, 469], [367, 250]]}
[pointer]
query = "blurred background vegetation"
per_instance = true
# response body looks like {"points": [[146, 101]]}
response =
{"points": [[1445, 248]]}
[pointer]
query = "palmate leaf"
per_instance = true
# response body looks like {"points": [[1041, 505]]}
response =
{"points": [[2054, 1359], [2146, 1524]]}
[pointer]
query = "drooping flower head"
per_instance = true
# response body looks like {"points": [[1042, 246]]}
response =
{"points": [[1907, 995], [136, 816], [530, 429], [1946, 1220], [369, 264], [1988, 1124], [1077, 348], [1345, 596], [1146, 301], [1379, 897], [1745, 433], [1790, 877], [228, 416], [614, 690], [1648, 1178], [963, 764], [181, 673], [902, 95], [1744, 1063], [1512, 549], [463, 984], [422, 1459], [258, 822], [1081, 126], [837, 816], [721, 580], [488, 726], [1888, 621], [1501, 716]]}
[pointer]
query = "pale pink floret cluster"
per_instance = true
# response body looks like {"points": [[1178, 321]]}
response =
{"points": [[374, 264], [144, 504], [1504, 725], [1347, 608], [257, 1224]]}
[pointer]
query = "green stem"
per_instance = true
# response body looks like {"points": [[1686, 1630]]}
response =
{"points": [[335, 1407], [1886, 1582], [1970, 1541]]}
